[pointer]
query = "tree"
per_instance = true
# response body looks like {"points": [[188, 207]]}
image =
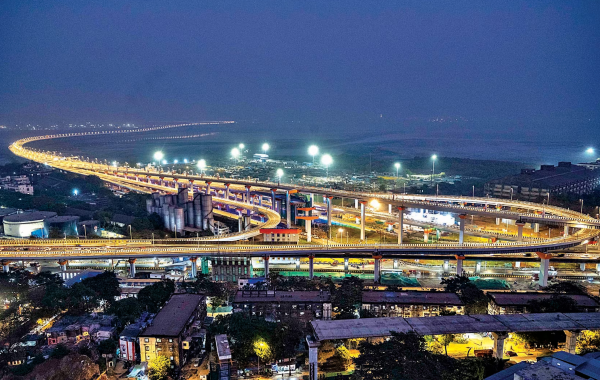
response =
{"points": [[105, 286], [567, 287], [588, 341], [159, 368], [152, 297], [347, 297], [262, 350], [553, 304], [445, 340], [60, 351], [127, 310], [474, 299]]}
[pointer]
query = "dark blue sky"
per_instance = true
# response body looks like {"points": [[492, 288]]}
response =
{"points": [[313, 61]]}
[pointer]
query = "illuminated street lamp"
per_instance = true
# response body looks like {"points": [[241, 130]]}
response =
{"points": [[75, 192], [374, 204], [158, 156], [242, 146], [164, 162], [235, 153], [313, 150], [326, 160], [279, 175], [590, 151], [202, 165], [397, 165], [265, 148], [175, 161], [433, 158]]}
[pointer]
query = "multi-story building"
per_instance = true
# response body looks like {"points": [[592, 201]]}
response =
{"points": [[411, 303], [175, 331], [231, 268], [129, 342], [280, 235], [535, 185], [284, 305], [75, 329], [518, 302]]}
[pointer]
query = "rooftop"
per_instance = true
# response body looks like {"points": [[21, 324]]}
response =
{"points": [[548, 176], [281, 296], [522, 299], [172, 318], [223, 351], [413, 297], [29, 216]]}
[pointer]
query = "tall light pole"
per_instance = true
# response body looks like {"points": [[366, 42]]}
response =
{"points": [[279, 175], [235, 153], [265, 148], [130, 234], [433, 158], [473, 191], [313, 150], [158, 156], [589, 150], [581, 211], [397, 165], [326, 160], [202, 165]]}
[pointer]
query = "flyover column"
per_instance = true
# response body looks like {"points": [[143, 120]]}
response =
{"points": [[194, 261], [5, 266], [544, 265], [63, 265], [227, 191], [356, 203], [478, 267], [396, 263], [266, 261], [377, 268], [208, 187], [400, 223], [176, 183], [131, 268], [446, 266], [566, 230], [311, 266], [346, 262], [362, 220], [459, 264], [288, 210], [248, 198], [313, 358], [297, 263], [191, 191], [571, 343], [273, 201], [329, 199], [389, 208], [498, 349], [461, 236], [520, 226]]}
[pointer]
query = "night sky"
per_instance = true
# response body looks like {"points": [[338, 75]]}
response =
{"points": [[312, 61]]}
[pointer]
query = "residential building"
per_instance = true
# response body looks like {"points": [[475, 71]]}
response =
{"points": [[224, 368], [280, 235], [411, 303], [175, 331], [518, 302], [535, 185], [129, 338], [284, 305], [70, 329], [230, 268]]}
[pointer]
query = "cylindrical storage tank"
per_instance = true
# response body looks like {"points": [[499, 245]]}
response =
{"points": [[149, 205], [207, 211], [197, 203], [182, 197], [178, 213], [172, 218], [166, 218], [161, 201], [189, 221]]}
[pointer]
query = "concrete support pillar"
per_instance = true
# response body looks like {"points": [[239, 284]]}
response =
{"points": [[329, 199], [536, 227], [63, 265], [571, 342], [346, 262], [356, 203], [208, 187], [459, 265], [191, 188], [497, 221], [288, 209], [461, 236], [311, 267], [194, 261], [396, 263], [297, 264], [582, 267], [5, 266], [240, 224], [544, 265], [377, 269], [266, 261], [308, 228], [597, 268], [260, 200], [400, 224], [446, 266], [227, 191], [248, 198], [390, 208], [313, 358], [478, 267], [362, 220], [204, 265], [176, 184], [498, 348], [520, 226], [517, 264], [273, 201], [566, 230], [131, 268]]}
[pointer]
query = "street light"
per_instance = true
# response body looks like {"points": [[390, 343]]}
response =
{"points": [[75, 192], [341, 231], [313, 150], [158, 156], [241, 146], [130, 234], [326, 160], [265, 148], [581, 211], [202, 165], [235, 153], [433, 158], [374, 204], [397, 165], [590, 150], [279, 175]]}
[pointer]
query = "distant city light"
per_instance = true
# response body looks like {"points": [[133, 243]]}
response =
{"points": [[185, 161], [326, 160], [242, 146], [235, 153], [313, 150], [164, 162], [175, 161], [158, 156], [265, 147], [590, 150], [374, 203], [202, 164], [114, 163], [75, 192], [279, 174]]}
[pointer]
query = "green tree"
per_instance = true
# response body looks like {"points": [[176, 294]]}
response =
{"points": [[59, 352], [105, 286], [445, 340], [553, 304], [152, 297], [588, 341], [159, 368], [567, 287], [127, 310], [474, 299], [347, 298]]}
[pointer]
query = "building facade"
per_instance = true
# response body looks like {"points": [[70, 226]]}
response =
{"points": [[273, 305], [231, 268], [518, 302], [175, 331], [411, 303]]}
